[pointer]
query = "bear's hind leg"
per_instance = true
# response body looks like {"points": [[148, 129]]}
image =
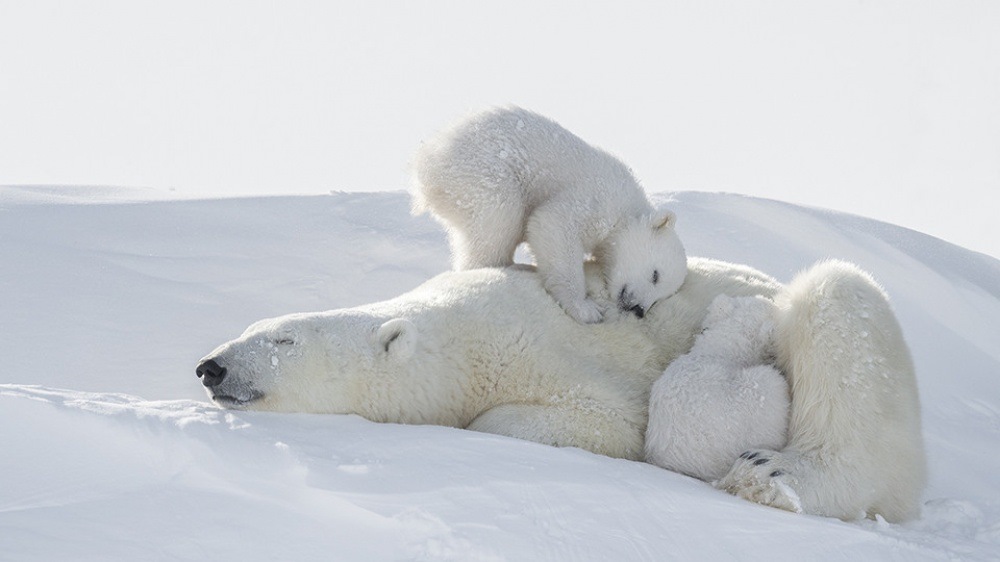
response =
{"points": [[817, 482], [855, 445]]}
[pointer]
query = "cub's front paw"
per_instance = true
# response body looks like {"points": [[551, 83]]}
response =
{"points": [[764, 477], [585, 311]]}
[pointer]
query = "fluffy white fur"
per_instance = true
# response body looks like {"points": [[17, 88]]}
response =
{"points": [[484, 349], [489, 350], [722, 397], [855, 447], [507, 175]]}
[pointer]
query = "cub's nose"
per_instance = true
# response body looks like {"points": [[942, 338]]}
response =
{"points": [[627, 303], [210, 373]]}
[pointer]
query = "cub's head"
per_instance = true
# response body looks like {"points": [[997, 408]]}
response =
{"points": [[743, 326], [317, 362], [644, 262]]}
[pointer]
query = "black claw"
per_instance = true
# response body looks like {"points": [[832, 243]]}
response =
{"points": [[759, 462], [745, 454], [752, 456], [777, 473]]}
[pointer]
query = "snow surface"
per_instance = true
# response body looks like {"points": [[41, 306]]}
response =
{"points": [[109, 448]]}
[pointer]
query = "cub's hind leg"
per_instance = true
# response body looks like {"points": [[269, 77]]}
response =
{"points": [[488, 237]]}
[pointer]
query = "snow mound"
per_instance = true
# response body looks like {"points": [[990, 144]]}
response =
{"points": [[117, 302]]}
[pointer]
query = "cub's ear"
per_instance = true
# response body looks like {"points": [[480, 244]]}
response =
{"points": [[721, 307], [397, 338], [664, 219]]}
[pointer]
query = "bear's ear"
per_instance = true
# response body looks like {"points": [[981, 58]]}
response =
{"points": [[664, 219], [397, 338]]}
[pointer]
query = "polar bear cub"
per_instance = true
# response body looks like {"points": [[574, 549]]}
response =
{"points": [[723, 397], [507, 175]]}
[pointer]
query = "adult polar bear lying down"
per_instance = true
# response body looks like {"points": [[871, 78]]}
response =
{"points": [[490, 350]]}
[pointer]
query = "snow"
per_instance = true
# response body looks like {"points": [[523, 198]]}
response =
{"points": [[111, 451]]}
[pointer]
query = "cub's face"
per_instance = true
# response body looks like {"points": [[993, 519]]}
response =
{"points": [[305, 362], [644, 263]]}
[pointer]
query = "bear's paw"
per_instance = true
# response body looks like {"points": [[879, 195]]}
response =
{"points": [[585, 311], [764, 477]]}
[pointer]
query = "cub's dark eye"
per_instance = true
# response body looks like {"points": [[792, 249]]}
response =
{"points": [[285, 341], [656, 276]]}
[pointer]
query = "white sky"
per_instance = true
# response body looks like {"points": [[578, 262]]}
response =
{"points": [[884, 109]]}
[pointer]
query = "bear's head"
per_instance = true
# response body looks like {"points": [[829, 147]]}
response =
{"points": [[740, 328], [644, 261], [317, 362]]}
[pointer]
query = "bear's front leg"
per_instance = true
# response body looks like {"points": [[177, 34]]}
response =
{"points": [[599, 430], [559, 255]]}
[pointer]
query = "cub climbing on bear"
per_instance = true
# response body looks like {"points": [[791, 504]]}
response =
{"points": [[722, 397], [507, 175]]}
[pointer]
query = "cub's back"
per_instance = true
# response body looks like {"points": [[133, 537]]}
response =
{"points": [[517, 153]]}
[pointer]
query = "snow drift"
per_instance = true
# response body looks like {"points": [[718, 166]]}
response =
{"points": [[110, 449]]}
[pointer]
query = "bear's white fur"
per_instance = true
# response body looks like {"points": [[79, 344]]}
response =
{"points": [[485, 349], [508, 175], [722, 397], [855, 447], [489, 350]]}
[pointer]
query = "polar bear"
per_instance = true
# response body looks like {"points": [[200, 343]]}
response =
{"points": [[484, 349], [489, 350], [722, 397], [507, 175], [855, 446]]}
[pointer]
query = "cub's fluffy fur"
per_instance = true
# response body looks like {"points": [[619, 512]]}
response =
{"points": [[722, 397], [507, 175]]}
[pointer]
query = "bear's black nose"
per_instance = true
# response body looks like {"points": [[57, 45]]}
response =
{"points": [[211, 373]]}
